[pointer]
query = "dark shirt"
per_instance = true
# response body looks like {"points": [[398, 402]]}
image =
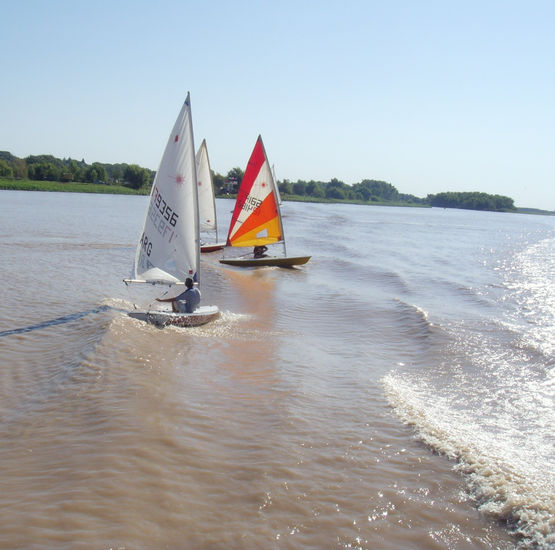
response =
{"points": [[188, 301]]}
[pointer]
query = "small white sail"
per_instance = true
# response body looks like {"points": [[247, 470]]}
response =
{"points": [[276, 185], [206, 196], [168, 250]]}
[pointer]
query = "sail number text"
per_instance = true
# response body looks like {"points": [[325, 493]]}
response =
{"points": [[162, 216], [167, 212], [252, 203], [146, 244]]}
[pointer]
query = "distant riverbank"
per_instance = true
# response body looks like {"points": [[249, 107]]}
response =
{"points": [[74, 187], [71, 187], [30, 185]]}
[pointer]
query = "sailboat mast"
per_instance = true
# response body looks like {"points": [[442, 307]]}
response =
{"points": [[195, 195]]}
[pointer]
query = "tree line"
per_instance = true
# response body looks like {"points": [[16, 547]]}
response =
{"points": [[50, 168], [368, 191], [472, 201], [335, 190]]}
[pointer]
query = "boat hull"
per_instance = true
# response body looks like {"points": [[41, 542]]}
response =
{"points": [[212, 247], [203, 315], [268, 261]]}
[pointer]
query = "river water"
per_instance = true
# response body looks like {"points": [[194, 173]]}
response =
{"points": [[394, 392]]}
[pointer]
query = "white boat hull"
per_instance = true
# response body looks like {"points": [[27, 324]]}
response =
{"points": [[203, 315]]}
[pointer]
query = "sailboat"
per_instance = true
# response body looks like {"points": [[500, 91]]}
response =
{"points": [[206, 201], [168, 251], [256, 219]]}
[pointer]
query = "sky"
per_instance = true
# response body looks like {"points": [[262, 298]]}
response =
{"points": [[427, 95]]}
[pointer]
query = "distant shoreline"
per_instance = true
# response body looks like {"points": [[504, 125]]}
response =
{"points": [[73, 187], [99, 188]]}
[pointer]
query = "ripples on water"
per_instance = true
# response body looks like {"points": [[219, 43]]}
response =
{"points": [[488, 403], [270, 427]]}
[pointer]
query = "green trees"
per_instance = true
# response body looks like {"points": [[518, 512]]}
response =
{"points": [[472, 201], [233, 180], [219, 183], [135, 176], [299, 188], [315, 189], [50, 168], [44, 171], [115, 173], [96, 173], [365, 191], [5, 170], [285, 187], [336, 190], [43, 167], [376, 190], [382, 192]]}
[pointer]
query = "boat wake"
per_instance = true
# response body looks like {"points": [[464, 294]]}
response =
{"points": [[135, 317], [56, 321], [413, 321], [503, 482]]}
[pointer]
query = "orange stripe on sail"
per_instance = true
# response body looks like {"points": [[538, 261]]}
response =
{"points": [[251, 239], [262, 219]]}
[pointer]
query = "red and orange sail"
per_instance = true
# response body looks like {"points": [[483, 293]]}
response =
{"points": [[256, 218]]}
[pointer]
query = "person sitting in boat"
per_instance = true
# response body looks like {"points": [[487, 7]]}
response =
{"points": [[258, 251], [187, 301]]}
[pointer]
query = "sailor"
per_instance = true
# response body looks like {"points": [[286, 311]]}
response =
{"points": [[186, 302], [258, 251]]}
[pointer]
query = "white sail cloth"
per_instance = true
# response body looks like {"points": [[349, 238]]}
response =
{"points": [[168, 250]]}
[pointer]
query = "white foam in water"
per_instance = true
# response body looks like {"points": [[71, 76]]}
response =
{"points": [[508, 480], [486, 401]]}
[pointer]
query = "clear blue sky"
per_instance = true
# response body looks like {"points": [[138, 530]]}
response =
{"points": [[430, 96]]}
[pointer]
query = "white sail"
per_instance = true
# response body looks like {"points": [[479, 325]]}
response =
{"points": [[168, 250], [276, 185], [205, 185]]}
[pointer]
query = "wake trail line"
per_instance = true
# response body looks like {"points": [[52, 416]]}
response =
{"points": [[57, 321]]}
